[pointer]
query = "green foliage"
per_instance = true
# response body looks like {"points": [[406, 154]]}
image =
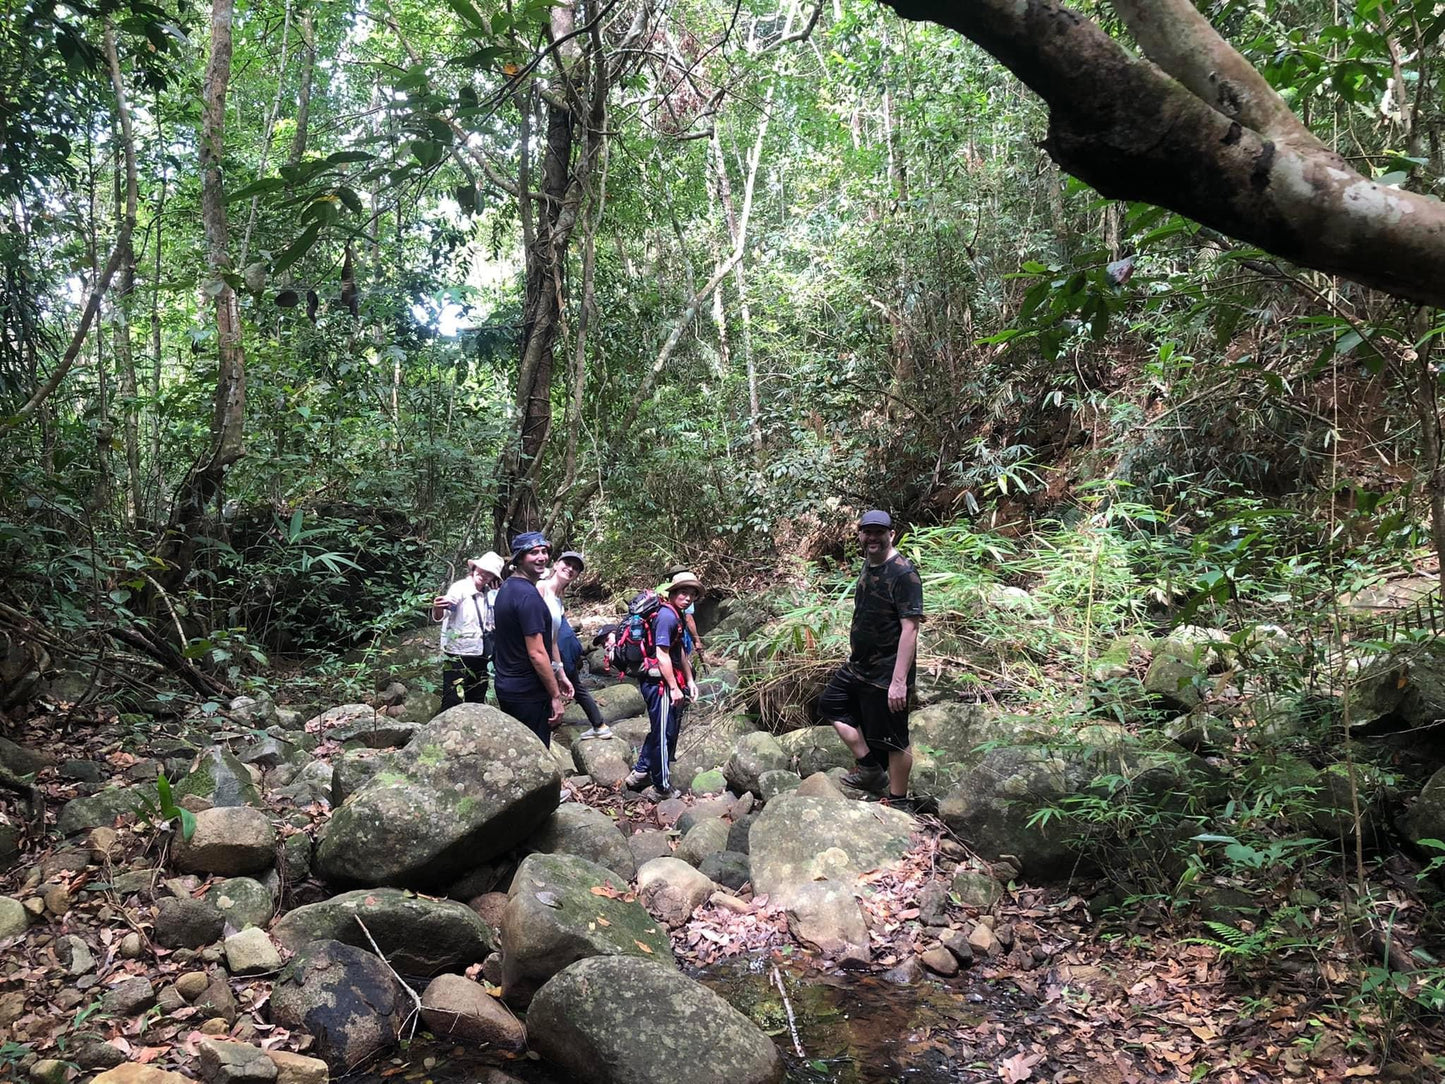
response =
{"points": [[163, 812]]}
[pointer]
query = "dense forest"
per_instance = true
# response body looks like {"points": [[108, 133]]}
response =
{"points": [[1128, 312]]}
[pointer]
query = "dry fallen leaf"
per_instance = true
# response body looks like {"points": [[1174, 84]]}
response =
{"points": [[643, 947]]}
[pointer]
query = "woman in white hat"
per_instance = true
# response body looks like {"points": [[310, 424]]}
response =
{"points": [[465, 612]]}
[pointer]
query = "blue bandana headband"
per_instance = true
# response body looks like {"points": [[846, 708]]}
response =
{"points": [[526, 541]]}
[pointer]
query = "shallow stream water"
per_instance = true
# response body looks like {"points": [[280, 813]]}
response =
{"points": [[853, 1029]]}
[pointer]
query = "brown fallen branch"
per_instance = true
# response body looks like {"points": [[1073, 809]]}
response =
{"points": [[172, 659]]}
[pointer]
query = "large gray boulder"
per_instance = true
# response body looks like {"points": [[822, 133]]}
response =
{"points": [[99, 810], [1408, 685], [218, 776], [229, 840], [616, 1019], [580, 830], [345, 998], [753, 755], [619, 700], [825, 915], [798, 840], [1175, 680], [352, 769], [707, 741], [607, 761], [813, 749], [1426, 816], [473, 784], [553, 918], [991, 803], [419, 936]]}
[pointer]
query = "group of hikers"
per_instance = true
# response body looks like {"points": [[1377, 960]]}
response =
{"points": [[517, 628]]}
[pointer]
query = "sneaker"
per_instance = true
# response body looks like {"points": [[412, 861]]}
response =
{"points": [[636, 780], [659, 794], [867, 777], [603, 731]]}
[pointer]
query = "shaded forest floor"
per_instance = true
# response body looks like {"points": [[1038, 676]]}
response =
{"points": [[1066, 995]]}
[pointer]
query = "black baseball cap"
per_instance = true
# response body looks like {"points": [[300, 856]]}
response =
{"points": [[876, 518], [573, 555]]}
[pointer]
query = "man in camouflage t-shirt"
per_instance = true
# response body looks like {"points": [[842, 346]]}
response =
{"points": [[867, 698]]}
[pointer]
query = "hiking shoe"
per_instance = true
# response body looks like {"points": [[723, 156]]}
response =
{"points": [[907, 804], [636, 780], [660, 794], [867, 777], [603, 731]]}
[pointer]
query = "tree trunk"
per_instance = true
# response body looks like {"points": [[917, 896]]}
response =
{"points": [[203, 484], [124, 355], [578, 99]]}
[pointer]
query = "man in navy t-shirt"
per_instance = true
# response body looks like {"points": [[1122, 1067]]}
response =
{"points": [[529, 687], [666, 686]]}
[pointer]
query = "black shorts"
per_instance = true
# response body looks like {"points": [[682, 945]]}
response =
{"points": [[849, 699]]}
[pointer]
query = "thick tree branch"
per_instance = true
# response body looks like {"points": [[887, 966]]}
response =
{"points": [[1123, 126], [1174, 35]]}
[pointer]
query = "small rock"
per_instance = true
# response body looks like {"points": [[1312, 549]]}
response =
{"points": [[251, 952], [224, 1062], [13, 917], [169, 999], [192, 984], [909, 972], [297, 1068], [49, 1071], [933, 904], [12, 1007], [104, 844], [217, 997], [75, 954], [976, 890], [135, 1073], [187, 923], [456, 1008], [91, 1051], [492, 969], [129, 997], [34, 907], [940, 961], [82, 771], [1004, 932], [216, 1025], [981, 938], [130, 946], [957, 943], [56, 900]]}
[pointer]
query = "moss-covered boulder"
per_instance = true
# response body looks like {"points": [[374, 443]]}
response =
{"points": [[473, 784], [813, 749], [588, 833], [554, 918], [798, 840], [419, 936], [218, 776], [753, 755], [610, 1019]]}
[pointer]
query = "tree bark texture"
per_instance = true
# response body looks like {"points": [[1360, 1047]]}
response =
{"points": [[230, 403], [1131, 131]]}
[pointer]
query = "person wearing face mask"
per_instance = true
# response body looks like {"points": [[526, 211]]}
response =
{"points": [[531, 686], [465, 613], [566, 647]]}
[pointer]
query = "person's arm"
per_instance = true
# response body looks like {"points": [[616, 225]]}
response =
{"points": [[692, 631], [542, 665], [669, 676], [907, 645]]}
